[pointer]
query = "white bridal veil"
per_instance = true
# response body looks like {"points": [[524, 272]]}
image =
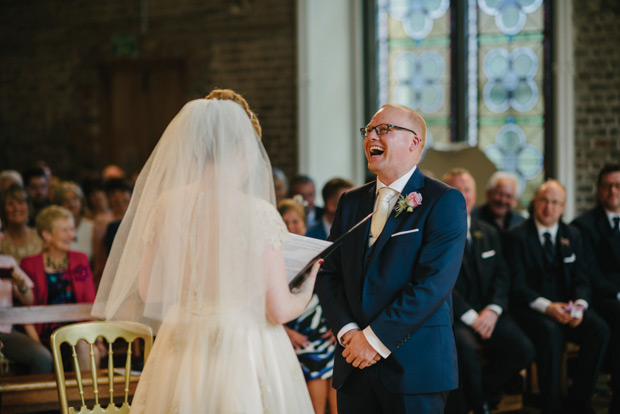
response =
{"points": [[197, 226]]}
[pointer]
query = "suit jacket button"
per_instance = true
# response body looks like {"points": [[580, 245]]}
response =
{"points": [[359, 298]]}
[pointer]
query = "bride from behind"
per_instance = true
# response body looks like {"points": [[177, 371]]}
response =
{"points": [[198, 257]]}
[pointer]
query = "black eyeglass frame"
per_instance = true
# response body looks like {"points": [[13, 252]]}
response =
{"points": [[364, 130]]}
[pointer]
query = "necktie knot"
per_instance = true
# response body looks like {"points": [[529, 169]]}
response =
{"points": [[382, 211]]}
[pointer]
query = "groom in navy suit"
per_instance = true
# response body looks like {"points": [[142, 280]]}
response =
{"points": [[386, 292]]}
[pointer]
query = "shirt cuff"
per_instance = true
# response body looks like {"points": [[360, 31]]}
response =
{"points": [[495, 308], [618, 295], [540, 304], [583, 303], [348, 327], [376, 342], [469, 317]]}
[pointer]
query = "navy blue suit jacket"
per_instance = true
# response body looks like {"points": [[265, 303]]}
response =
{"points": [[602, 249], [401, 286]]}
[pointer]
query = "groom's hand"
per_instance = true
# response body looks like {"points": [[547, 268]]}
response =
{"points": [[358, 351]]}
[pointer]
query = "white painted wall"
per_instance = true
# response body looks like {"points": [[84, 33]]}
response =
{"points": [[330, 90], [564, 119]]}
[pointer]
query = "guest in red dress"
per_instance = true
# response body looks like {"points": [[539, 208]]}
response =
{"points": [[60, 275]]}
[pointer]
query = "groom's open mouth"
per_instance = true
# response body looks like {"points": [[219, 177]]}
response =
{"points": [[375, 151]]}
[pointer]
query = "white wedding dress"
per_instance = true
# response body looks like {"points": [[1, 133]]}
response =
{"points": [[188, 260], [227, 359]]}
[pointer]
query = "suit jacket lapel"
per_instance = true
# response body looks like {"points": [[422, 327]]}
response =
{"points": [[533, 241], [394, 223], [605, 230]]}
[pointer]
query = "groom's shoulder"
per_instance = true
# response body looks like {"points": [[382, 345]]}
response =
{"points": [[439, 188], [360, 191]]}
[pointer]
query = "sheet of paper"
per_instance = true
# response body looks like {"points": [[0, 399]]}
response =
{"points": [[299, 250]]}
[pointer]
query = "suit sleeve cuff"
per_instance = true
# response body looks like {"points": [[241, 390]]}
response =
{"points": [[495, 308], [469, 317], [540, 304], [376, 342], [583, 303], [348, 327]]}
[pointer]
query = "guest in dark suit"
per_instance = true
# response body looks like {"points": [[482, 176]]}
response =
{"points": [[501, 194], [547, 259], [331, 193], [304, 186], [481, 297], [386, 292], [601, 238]]}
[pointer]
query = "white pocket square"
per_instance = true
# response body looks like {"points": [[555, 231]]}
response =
{"points": [[400, 233], [570, 259], [487, 254]]}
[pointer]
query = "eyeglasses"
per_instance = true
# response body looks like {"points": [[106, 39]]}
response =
{"points": [[382, 129], [609, 186]]}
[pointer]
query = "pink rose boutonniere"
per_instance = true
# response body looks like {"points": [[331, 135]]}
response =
{"points": [[408, 203]]}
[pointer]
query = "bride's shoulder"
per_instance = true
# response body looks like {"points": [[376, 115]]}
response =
{"points": [[270, 219]]}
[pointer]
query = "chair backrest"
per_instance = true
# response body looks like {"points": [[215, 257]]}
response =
{"points": [[89, 332]]}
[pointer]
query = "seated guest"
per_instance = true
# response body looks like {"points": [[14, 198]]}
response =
{"points": [[70, 196], [29, 356], [601, 239], [304, 186], [60, 275], [280, 184], [501, 195], [331, 195], [310, 335], [37, 182], [97, 206], [20, 240], [113, 172], [8, 178], [481, 296], [118, 193], [552, 299]]}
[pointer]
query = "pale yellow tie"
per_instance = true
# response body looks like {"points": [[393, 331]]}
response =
{"points": [[382, 212]]}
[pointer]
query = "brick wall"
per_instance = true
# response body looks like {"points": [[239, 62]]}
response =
{"points": [[597, 92], [52, 52]]}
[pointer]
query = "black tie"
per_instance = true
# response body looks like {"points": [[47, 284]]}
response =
{"points": [[548, 247], [616, 228]]}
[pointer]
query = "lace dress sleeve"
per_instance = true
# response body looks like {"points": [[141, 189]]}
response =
{"points": [[275, 230]]}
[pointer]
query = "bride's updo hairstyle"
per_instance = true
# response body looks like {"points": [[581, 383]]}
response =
{"points": [[230, 95]]}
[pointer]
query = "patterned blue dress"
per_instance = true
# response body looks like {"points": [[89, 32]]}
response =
{"points": [[316, 359]]}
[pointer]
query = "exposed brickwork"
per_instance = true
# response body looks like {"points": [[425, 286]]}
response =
{"points": [[51, 90], [597, 92]]}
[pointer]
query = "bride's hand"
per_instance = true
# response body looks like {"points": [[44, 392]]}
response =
{"points": [[315, 270]]}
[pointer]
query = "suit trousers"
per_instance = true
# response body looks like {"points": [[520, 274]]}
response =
{"points": [[548, 337], [364, 393], [506, 352]]}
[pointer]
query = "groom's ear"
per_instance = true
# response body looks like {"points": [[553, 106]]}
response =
{"points": [[415, 143]]}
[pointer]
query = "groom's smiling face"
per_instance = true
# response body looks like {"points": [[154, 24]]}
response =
{"points": [[393, 154]]}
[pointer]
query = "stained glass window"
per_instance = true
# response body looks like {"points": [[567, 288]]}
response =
{"points": [[499, 50]]}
